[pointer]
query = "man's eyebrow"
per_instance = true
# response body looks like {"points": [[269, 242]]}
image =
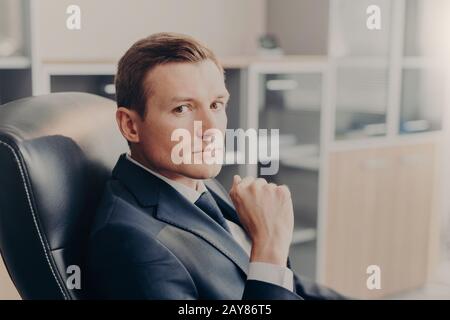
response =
{"points": [[180, 99], [223, 95]]}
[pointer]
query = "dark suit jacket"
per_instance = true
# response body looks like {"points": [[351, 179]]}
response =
{"points": [[149, 242]]}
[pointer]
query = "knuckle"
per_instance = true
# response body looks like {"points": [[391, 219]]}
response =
{"points": [[270, 186], [253, 187], [261, 180], [284, 190], [248, 179]]}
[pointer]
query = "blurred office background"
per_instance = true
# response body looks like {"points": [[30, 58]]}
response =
{"points": [[363, 114]]}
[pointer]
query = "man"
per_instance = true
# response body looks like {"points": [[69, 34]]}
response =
{"points": [[170, 231]]}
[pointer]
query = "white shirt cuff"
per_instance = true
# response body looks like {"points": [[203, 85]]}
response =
{"points": [[271, 273]]}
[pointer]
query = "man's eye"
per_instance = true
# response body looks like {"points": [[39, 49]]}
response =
{"points": [[181, 109], [217, 105]]}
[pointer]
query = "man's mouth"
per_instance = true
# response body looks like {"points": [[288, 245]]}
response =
{"points": [[207, 150], [211, 151], [208, 153]]}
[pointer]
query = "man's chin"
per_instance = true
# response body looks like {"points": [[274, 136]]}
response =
{"points": [[201, 171]]}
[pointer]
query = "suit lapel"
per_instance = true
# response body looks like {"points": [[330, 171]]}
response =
{"points": [[224, 202], [176, 210]]}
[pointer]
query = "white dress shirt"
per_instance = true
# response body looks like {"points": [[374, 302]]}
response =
{"points": [[261, 271]]}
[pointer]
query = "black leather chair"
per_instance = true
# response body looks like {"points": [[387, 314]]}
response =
{"points": [[56, 152]]}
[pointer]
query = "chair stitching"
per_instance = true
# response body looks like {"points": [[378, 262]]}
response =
{"points": [[34, 216]]}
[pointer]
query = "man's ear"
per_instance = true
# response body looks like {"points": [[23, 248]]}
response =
{"points": [[127, 121]]}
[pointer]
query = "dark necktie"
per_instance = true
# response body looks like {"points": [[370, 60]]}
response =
{"points": [[207, 203]]}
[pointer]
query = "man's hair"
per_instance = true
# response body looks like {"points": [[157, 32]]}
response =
{"points": [[146, 54]]}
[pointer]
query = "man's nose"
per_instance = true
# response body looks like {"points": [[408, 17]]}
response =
{"points": [[208, 121]]}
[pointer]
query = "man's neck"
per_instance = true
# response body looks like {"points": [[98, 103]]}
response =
{"points": [[189, 182]]}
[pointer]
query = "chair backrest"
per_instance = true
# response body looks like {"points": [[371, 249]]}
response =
{"points": [[56, 153]]}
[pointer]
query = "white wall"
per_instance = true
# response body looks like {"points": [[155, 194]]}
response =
{"points": [[301, 26], [109, 27]]}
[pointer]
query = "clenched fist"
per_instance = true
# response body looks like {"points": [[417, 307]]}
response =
{"points": [[266, 213]]}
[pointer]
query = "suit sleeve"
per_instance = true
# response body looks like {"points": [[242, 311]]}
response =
{"points": [[304, 289], [124, 264], [260, 290], [310, 290]]}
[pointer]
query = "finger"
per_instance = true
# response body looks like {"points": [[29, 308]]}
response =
{"points": [[284, 190], [271, 185], [236, 179], [259, 182], [246, 181]]}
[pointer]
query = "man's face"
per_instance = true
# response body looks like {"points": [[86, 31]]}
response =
{"points": [[181, 93]]}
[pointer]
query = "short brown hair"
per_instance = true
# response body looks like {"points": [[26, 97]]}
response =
{"points": [[147, 53]]}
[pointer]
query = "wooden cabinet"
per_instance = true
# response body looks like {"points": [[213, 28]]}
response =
{"points": [[380, 209], [7, 289]]}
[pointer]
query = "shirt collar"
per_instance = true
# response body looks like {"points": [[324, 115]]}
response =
{"points": [[189, 193]]}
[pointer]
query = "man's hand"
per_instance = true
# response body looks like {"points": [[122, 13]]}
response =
{"points": [[266, 212]]}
